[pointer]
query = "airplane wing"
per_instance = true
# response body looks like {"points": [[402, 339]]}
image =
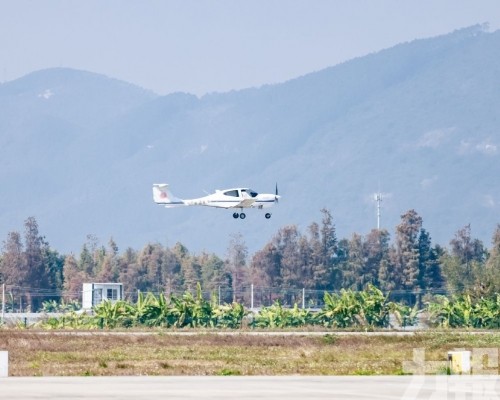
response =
{"points": [[245, 203]]}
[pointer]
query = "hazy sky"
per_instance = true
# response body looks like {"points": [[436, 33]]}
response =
{"points": [[219, 45]]}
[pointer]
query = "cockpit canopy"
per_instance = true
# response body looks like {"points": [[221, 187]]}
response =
{"points": [[236, 193]]}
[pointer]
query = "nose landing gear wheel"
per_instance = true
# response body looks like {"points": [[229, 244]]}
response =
{"points": [[235, 215], [242, 216], [268, 215]]}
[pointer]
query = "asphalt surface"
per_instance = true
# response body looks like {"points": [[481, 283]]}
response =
{"points": [[252, 387]]}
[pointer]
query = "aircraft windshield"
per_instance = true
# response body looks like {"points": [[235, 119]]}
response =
{"points": [[251, 192]]}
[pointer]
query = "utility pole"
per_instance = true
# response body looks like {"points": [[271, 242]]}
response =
{"points": [[378, 199]]}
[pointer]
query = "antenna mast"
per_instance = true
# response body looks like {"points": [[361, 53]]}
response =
{"points": [[378, 199]]}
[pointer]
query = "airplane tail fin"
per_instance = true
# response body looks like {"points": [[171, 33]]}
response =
{"points": [[162, 195]]}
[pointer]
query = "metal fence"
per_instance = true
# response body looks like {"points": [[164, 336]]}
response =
{"points": [[257, 297], [16, 299]]}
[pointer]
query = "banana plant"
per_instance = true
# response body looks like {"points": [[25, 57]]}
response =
{"points": [[442, 312], [189, 310], [202, 314], [340, 310], [71, 320], [269, 317], [454, 313], [50, 306], [374, 307], [404, 314], [277, 316], [486, 313], [155, 311], [112, 315], [299, 317], [229, 315]]}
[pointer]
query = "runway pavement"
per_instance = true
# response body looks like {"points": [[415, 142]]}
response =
{"points": [[251, 387]]}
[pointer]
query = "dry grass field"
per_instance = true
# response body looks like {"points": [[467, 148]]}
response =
{"points": [[96, 353]]}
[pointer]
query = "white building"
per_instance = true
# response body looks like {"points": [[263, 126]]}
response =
{"points": [[96, 293]]}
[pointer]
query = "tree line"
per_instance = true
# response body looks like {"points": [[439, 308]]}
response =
{"points": [[316, 259]]}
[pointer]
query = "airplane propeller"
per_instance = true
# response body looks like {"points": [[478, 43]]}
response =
{"points": [[276, 197]]}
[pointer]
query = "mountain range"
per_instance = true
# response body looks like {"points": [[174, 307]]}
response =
{"points": [[418, 123]]}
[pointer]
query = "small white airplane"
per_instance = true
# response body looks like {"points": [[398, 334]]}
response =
{"points": [[229, 198]]}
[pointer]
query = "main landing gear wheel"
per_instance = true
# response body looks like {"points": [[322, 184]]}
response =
{"points": [[268, 215], [242, 216], [235, 215]]}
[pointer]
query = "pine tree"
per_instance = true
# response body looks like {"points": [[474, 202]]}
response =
{"points": [[237, 254], [128, 270], [464, 265], [467, 249], [324, 248], [386, 279], [328, 238], [319, 271], [14, 270], [266, 266], [407, 249], [54, 268], [492, 282], [342, 265], [171, 271], [430, 276], [108, 270], [376, 248], [353, 277], [74, 278], [213, 274], [86, 262], [287, 241], [190, 272], [150, 266], [36, 275], [13, 262], [305, 273]]}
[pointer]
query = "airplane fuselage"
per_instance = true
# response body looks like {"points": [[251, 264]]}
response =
{"points": [[233, 198], [229, 198]]}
